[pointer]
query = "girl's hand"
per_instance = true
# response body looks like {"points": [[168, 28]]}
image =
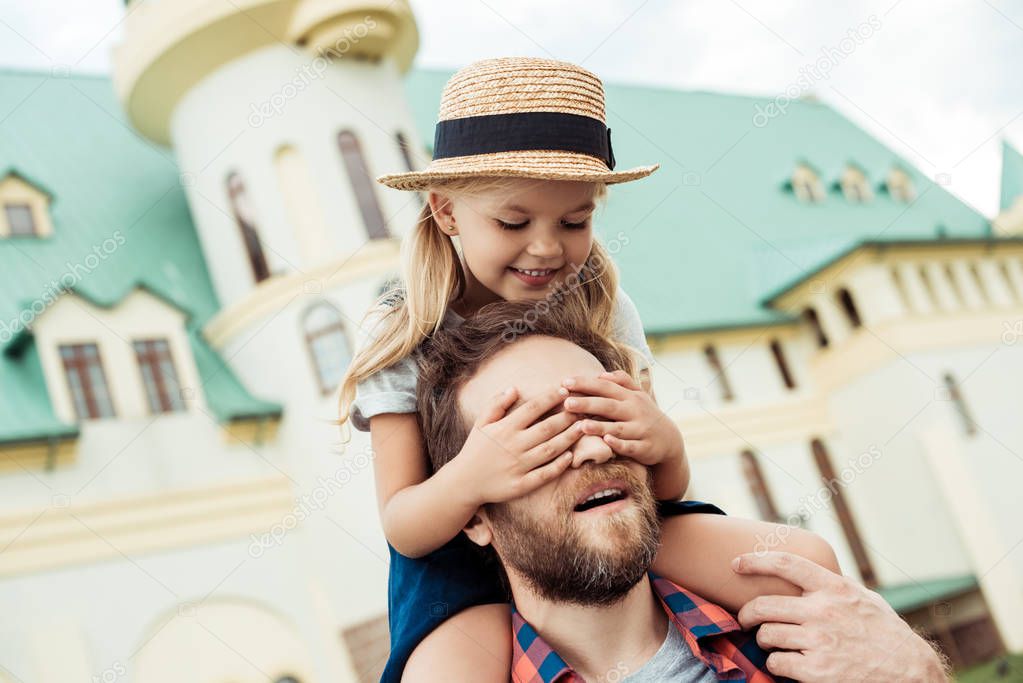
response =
{"points": [[635, 426], [508, 456]]}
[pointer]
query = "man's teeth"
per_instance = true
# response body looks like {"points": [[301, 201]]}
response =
{"points": [[604, 494]]}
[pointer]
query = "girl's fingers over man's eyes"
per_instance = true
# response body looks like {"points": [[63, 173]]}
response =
{"points": [[592, 405], [622, 430], [539, 476], [552, 448], [497, 406], [546, 428], [623, 378], [595, 386], [626, 447], [531, 411]]}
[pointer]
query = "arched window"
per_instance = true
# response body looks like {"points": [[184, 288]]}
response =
{"points": [[845, 518], [849, 306], [928, 282], [900, 288], [782, 363], [362, 185], [978, 280], [245, 217], [1014, 292], [758, 487], [806, 185], [855, 186], [810, 316], [719, 372], [900, 186], [328, 344], [953, 284], [956, 396], [406, 154]]}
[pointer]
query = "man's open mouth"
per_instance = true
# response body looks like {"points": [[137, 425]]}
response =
{"points": [[600, 495]]}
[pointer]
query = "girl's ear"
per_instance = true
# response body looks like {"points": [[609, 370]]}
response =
{"points": [[441, 206], [478, 529]]}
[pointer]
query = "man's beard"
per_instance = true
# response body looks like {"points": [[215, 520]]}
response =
{"points": [[557, 560]]}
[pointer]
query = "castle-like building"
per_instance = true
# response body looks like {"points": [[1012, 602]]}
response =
{"points": [[187, 250]]}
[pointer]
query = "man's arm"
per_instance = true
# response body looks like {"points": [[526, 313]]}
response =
{"points": [[837, 630]]}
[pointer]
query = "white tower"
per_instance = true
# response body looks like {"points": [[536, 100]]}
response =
{"points": [[280, 114]]}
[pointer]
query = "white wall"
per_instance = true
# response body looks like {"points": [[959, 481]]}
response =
{"points": [[225, 106]]}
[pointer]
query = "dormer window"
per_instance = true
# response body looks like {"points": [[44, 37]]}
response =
{"points": [[20, 222], [807, 185], [24, 208], [87, 381], [900, 186], [159, 377], [855, 186]]}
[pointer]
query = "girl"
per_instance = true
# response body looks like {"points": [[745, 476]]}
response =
{"points": [[522, 155]]}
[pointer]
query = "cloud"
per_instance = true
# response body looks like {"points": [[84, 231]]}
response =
{"points": [[936, 82]]}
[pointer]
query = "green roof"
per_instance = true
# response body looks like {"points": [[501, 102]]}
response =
{"points": [[69, 136], [907, 597], [1012, 174], [709, 235], [717, 227]]}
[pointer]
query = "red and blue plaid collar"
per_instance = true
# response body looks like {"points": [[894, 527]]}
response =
{"points": [[710, 632]]}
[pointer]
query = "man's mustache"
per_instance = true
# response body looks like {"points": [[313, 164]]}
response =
{"points": [[594, 473]]}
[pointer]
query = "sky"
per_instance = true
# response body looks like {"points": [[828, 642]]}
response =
{"points": [[936, 81]]}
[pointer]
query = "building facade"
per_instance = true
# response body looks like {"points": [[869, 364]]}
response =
{"points": [[186, 253]]}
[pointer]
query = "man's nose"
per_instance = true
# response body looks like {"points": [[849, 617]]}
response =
{"points": [[590, 448]]}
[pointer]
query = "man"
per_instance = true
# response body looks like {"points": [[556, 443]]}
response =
{"points": [[577, 551]]}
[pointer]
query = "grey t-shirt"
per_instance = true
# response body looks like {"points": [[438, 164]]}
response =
{"points": [[393, 389], [674, 663]]}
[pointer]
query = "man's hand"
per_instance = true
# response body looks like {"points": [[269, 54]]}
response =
{"points": [[836, 631]]}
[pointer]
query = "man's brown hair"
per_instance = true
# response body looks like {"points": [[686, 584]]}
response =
{"points": [[450, 357]]}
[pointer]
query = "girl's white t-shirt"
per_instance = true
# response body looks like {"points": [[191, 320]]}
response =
{"points": [[393, 389]]}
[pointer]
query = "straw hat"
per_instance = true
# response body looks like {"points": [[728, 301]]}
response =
{"points": [[525, 117]]}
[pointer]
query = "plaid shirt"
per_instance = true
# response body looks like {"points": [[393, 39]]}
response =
{"points": [[709, 631]]}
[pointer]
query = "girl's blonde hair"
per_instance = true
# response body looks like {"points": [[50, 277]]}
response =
{"points": [[432, 277]]}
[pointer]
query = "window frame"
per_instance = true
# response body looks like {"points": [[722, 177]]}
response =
{"points": [[710, 353], [362, 185], [29, 211], [782, 363], [806, 185], [169, 401], [81, 365], [812, 318], [760, 490], [310, 337], [853, 538], [847, 303], [259, 267], [955, 395]]}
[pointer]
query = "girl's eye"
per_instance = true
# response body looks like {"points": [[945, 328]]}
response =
{"points": [[576, 226], [510, 226]]}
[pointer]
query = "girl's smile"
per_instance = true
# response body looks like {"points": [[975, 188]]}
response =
{"points": [[519, 241], [536, 277]]}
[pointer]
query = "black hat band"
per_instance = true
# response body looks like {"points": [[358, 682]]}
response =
{"points": [[537, 130]]}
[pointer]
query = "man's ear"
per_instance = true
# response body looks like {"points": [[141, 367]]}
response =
{"points": [[478, 529]]}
